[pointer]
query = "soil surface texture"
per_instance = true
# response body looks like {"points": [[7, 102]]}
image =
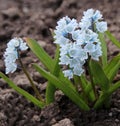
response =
{"points": [[34, 18]]}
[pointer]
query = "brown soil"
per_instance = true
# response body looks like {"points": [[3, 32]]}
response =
{"points": [[33, 19]]}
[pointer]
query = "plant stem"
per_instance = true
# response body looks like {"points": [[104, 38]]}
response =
{"points": [[77, 82], [91, 79], [30, 79]]}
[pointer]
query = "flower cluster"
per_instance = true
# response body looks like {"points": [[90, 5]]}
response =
{"points": [[93, 20], [79, 41], [11, 53]]}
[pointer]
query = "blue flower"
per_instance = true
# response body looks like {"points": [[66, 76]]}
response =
{"points": [[11, 54], [88, 14], [89, 47], [64, 60], [92, 15], [64, 30], [101, 26], [11, 67], [78, 70], [92, 19], [75, 34], [85, 24], [68, 73], [97, 52], [96, 16]]}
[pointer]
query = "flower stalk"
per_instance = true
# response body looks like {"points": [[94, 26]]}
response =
{"points": [[30, 79]]}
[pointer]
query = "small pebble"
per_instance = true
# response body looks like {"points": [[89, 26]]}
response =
{"points": [[117, 120], [36, 118], [64, 122], [110, 114]]}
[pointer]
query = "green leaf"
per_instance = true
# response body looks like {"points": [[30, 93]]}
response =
{"points": [[112, 68], [87, 88], [99, 75], [22, 92], [65, 80], [83, 81], [50, 90], [113, 39], [114, 87], [40, 53], [66, 89], [105, 96], [89, 92], [104, 49]]}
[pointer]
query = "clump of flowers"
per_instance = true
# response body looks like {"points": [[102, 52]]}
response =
{"points": [[86, 76], [11, 53], [79, 41]]}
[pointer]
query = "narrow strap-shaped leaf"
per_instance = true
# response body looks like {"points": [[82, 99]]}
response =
{"points": [[101, 100], [61, 77], [22, 92], [105, 96], [68, 91], [112, 68], [50, 90], [99, 75], [83, 81], [104, 49], [86, 87], [113, 39], [65, 80], [114, 87], [89, 92], [40, 53]]}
